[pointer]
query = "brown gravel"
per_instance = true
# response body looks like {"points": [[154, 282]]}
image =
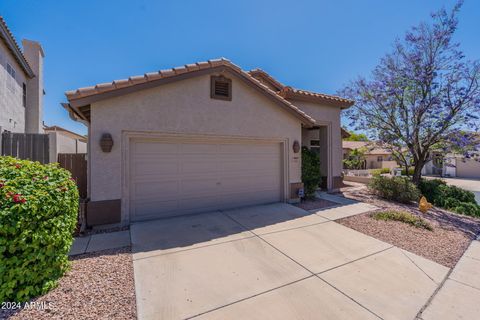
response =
{"points": [[451, 235], [98, 286], [315, 204]]}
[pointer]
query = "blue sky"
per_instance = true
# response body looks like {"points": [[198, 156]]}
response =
{"points": [[314, 45]]}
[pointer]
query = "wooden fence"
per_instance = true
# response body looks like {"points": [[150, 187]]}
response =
{"points": [[76, 163], [31, 146]]}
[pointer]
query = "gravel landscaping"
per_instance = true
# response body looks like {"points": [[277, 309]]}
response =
{"points": [[315, 204], [99, 286], [451, 235]]}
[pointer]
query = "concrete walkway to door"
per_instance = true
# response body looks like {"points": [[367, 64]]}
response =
{"points": [[274, 262]]}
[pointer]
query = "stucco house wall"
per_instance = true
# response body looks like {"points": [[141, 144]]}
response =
{"points": [[12, 111], [183, 107], [330, 117]]}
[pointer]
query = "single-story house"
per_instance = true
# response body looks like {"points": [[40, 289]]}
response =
{"points": [[65, 141], [453, 165], [201, 137], [376, 157]]}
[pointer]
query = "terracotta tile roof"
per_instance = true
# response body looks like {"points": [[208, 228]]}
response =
{"points": [[289, 92], [372, 146], [78, 98], [259, 73], [12, 44]]}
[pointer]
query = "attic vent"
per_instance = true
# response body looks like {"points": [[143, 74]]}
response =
{"points": [[221, 88]]}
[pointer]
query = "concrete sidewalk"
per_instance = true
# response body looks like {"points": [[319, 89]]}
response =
{"points": [[99, 242], [459, 297]]}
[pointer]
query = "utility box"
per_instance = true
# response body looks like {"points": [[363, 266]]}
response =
{"points": [[296, 191]]}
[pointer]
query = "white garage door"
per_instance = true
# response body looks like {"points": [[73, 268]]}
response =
{"points": [[468, 168], [176, 177]]}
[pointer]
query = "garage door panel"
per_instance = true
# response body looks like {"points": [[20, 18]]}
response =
{"points": [[161, 166], [198, 148], [152, 147], [161, 190], [181, 177], [198, 164], [200, 186], [249, 198], [249, 183]]}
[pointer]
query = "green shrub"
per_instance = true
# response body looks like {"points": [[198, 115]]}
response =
{"points": [[450, 197], [376, 172], [399, 189], [456, 193], [466, 208], [410, 171], [38, 213], [402, 216], [430, 189], [311, 177]]}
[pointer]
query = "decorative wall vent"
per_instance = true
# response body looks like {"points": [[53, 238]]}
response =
{"points": [[221, 88]]}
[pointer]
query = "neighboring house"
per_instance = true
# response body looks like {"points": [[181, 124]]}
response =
{"points": [[67, 141], [453, 165], [21, 101], [376, 157], [21, 84], [201, 137]]}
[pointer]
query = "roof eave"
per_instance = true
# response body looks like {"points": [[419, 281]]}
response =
{"points": [[290, 94], [17, 53], [76, 103]]}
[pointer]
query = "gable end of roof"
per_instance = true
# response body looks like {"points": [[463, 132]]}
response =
{"points": [[14, 48], [83, 97]]}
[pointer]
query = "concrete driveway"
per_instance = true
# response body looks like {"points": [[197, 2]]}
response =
{"points": [[275, 262], [467, 184]]}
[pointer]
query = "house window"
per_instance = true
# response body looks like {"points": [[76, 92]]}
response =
{"points": [[220, 88], [24, 95], [380, 159], [11, 79], [315, 146]]}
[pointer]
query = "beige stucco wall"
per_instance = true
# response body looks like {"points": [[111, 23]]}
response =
{"points": [[61, 143], [33, 52], [184, 107], [12, 112], [327, 115]]}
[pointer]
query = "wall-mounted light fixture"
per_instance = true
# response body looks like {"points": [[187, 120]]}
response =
{"points": [[296, 146], [106, 142]]}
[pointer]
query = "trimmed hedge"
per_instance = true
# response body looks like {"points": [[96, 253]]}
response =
{"points": [[450, 197], [399, 189], [38, 214]]}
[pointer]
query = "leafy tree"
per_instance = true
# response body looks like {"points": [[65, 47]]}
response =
{"points": [[424, 93], [356, 137], [355, 159]]}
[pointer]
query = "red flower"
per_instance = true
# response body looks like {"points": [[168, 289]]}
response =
{"points": [[45, 178], [18, 198], [1, 185], [18, 165]]}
